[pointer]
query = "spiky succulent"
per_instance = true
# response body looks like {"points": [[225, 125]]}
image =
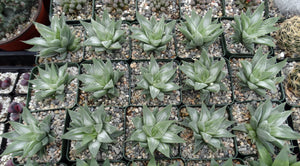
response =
{"points": [[55, 41], [159, 6], [91, 162], [30, 138], [100, 79], [72, 6], [260, 74], [117, 6], [104, 35], [293, 80], [266, 126], [204, 75], [153, 35], [156, 81], [154, 131], [208, 127], [251, 29], [200, 32], [51, 81], [91, 130]]}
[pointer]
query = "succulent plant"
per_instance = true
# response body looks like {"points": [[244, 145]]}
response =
{"points": [[30, 138], [6, 83], [247, 4], [51, 82], [25, 78], [287, 36], [153, 35], [152, 162], [15, 109], [266, 127], [293, 80], [100, 79], [72, 6], [208, 127], [200, 3], [250, 29], [104, 35], [91, 130], [56, 41], [117, 6], [200, 32], [159, 6], [14, 13], [226, 163], [260, 74], [204, 75], [91, 162], [156, 81], [154, 131]]}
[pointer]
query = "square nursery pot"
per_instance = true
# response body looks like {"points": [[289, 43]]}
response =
{"points": [[5, 101], [136, 152], [137, 98], [115, 150], [201, 7], [138, 53], [162, 162], [235, 161], [124, 9], [295, 120], [71, 92], [192, 98], [3, 141], [72, 57], [241, 94], [122, 54], [8, 77], [122, 85], [230, 48], [111, 163], [86, 12], [169, 9], [187, 148], [55, 151]]}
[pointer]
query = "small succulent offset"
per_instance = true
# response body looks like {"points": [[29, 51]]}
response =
{"points": [[51, 82], [104, 35], [91, 130], [56, 41], [293, 80], [154, 131], [15, 109], [260, 74], [91, 162], [204, 75], [200, 32], [247, 4], [153, 35], [117, 6], [100, 79], [29, 139], [25, 78], [251, 29], [159, 5], [72, 6], [266, 128], [5, 83], [208, 127], [156, 81]]}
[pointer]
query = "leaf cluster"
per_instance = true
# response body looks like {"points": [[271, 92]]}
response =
{"points": [[91, 162], [72, 6]]}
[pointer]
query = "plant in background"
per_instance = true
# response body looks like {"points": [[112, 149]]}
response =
{"points": [[250, 29], [15, 109], [30, 138], [260, 74], [200, 32], [25, 78], [14, 13], [208, 127], [56, 41], [159, 6], [266, 127], [204, 75], [153, 35], [51, 82], [155, 81], [152, 162], [247, 4], [91, 162], [91, 130], [100, 79], [293, 80], [72, 6], [154, 131], [5, 83], [226, 163], [288, 36], [104, 35], [116, 5]]}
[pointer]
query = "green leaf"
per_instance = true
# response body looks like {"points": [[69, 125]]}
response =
{"points": [[170, 137], [164, 149], [94, 148], [148, 117], [164, 114], [152, 144]]}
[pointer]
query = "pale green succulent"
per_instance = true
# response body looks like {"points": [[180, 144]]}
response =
{"points": [[30, 138], [91, 130], [72, 6], [156, 81], [104, 35], [100, 79], [154, 131], [153, 35], [56, 40], [204, 75], [266, 127], [260, 74], [91, 162], [200, 32], [251, 29], [51, 82], [208, 127]]}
